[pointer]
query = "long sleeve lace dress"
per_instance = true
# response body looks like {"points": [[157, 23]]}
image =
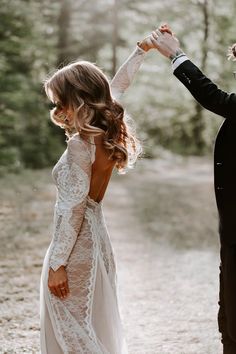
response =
{"points": [[88, 320]]}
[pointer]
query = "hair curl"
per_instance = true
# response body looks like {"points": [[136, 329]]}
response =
{"points": [[82, 89]]}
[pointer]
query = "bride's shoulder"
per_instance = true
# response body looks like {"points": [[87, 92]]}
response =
{"points": [[76, 140], [80, 146]]}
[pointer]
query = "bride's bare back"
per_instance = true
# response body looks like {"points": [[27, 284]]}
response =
{"points": [[101, 171]]}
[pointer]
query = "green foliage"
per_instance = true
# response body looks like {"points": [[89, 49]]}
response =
{"points": [[37, 36], [24, 128]]}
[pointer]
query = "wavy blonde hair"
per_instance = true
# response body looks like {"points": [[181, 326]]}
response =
{"points": [[82, 89]]}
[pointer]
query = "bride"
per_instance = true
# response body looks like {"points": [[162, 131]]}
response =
{"points": [[79, 311]]}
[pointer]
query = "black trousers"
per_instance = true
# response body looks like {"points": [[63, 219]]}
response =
{"points": [[227, 299]]}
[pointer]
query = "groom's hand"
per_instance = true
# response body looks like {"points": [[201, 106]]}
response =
{"points": [[166, 43], [166, 28]]}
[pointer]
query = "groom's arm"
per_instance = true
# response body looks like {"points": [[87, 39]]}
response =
{"points": [[203, 89]]}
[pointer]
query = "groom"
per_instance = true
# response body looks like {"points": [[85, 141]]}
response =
{"points": [[223, 104]]}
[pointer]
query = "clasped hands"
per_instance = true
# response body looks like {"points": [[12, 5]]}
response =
{"points": [[163, 40]]}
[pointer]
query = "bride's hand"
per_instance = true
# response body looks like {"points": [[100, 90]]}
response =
{"points": [[166, 29], [146, 44], [58, 282]]}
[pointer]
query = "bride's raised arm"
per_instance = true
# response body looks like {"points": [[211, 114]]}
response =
{"points": [[128, 69]]}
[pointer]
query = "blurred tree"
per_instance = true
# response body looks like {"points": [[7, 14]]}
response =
{"points": [[197, 120], [115, 36], [36, 36], [25, 132], [64, 20]]}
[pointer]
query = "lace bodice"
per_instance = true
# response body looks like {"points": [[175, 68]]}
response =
{"points": [[72, 175]]}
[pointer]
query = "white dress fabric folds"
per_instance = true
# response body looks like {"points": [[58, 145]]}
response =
{"points": [[88, 320]]}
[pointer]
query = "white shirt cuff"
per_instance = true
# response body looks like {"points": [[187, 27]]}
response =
{"points": [[179, 61]]}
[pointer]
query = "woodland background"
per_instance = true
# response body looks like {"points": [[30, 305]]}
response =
{"points": [[162, 215], [38, 36]]}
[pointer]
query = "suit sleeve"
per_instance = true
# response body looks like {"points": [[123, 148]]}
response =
{"points": [[205, 91]]}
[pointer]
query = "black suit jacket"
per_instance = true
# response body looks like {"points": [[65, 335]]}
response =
{"points": [[223, 104]]}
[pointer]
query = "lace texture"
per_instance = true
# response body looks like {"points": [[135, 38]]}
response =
{"points": [[73, 316], [126, 72], [88, 320], [72, 176]]}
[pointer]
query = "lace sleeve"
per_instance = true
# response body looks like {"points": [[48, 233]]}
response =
{"points": [[126, 72], [73, 181]]}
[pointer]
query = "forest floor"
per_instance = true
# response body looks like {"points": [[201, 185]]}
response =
{"points": [[163, 224]]}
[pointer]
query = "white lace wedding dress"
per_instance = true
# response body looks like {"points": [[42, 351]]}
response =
{"points": [[88, 320]]}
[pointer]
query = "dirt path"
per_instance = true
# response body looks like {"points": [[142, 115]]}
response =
{"points": [[163, 223]]}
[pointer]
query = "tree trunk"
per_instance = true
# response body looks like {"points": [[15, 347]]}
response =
{"points": [[63, 31], [197, 120], [114, 36]]}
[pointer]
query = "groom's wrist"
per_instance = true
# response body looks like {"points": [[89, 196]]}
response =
{"points": [[177, 54], [176, 63]]}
